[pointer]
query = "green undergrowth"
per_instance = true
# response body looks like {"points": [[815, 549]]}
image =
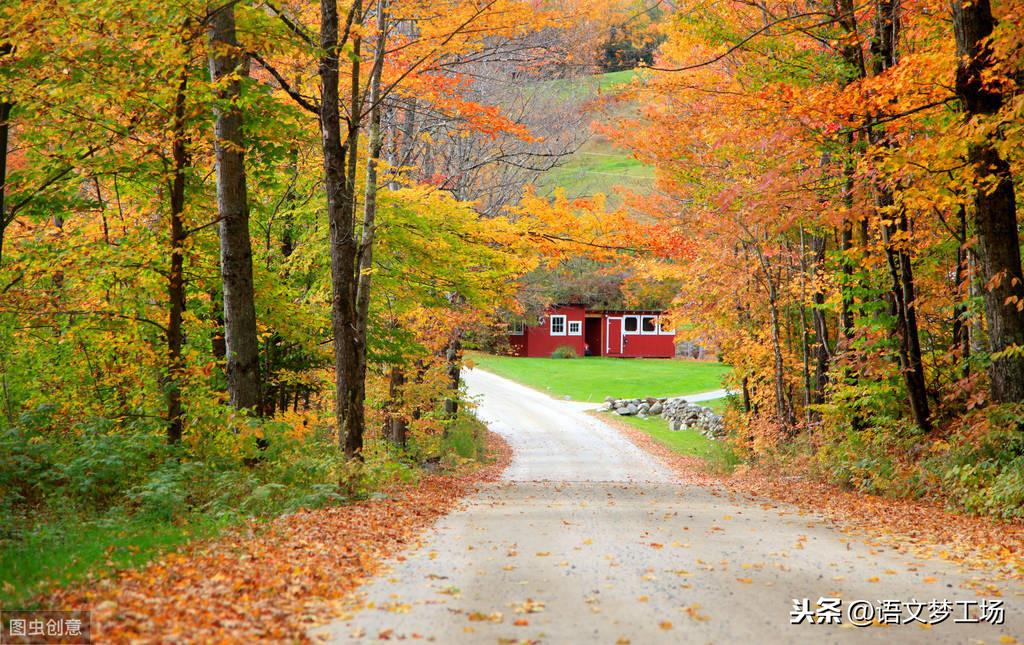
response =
{"points": [[83, 504]]}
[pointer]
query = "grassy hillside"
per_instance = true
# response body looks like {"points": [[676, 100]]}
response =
{"points": [[598, 166]]}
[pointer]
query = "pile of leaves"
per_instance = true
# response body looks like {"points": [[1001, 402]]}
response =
{"points": [[277, 580], [920, 527]]}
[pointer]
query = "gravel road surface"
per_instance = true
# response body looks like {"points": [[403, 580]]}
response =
{"points": [[588, 539]]}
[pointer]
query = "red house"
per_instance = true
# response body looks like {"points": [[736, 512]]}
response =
{"points": [[635, 334]]}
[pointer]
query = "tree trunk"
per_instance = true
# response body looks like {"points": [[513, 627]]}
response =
{"points": [[5, 115], [995, 208], [822, 353], [176, 275], [903, 295], [240, 334], [373, 160], [961, 341], [453, 356], [396, 426], [781, 408], [5, 128], [338, 170]]}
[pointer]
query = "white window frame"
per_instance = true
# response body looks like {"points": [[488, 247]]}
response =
{"points": [[562, 319], [626, 332], [578, 326], [516, 328], [641, 325], [671, 331]]}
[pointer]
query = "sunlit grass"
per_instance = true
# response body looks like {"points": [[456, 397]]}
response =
{"points": [[596, 377]]}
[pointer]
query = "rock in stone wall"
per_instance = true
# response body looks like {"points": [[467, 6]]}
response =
{"points": [[679, 413]]}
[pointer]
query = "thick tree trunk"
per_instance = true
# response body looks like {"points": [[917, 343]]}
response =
{"points": [[338, 171], [995, 208], [176, 275], [240, 333]]}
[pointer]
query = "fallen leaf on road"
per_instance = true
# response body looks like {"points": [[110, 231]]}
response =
{"points": [[528, 606], [693, 612]]}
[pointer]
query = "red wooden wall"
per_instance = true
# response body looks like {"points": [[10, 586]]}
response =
{"points": [[538, 341]]}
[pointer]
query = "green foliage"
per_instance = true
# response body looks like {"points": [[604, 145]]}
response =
{"points": [[465, 437], [978, 469], [985, 474], [564, 351]]}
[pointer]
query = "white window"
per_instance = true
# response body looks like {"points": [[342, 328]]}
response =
{"points": [[665, 326], [558, 325], [648, 324], [575, 328], [517, 328], [631, 324]]}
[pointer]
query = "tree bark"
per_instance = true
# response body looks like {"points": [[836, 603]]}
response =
{"points": [[822, 354], [5, 115], [961, 340], [176, 276], [453, 356], [240, 335], [396, 426], [903, 294], [339, 169], [994, 201]]}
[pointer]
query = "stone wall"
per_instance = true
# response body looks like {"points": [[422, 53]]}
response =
{"points": [[679, 413]]}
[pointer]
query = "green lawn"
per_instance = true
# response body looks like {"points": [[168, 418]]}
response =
{"points": [[684, 442], [593, 378]]}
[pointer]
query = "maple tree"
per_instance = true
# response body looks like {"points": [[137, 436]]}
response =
{"points": [[842, 200]]}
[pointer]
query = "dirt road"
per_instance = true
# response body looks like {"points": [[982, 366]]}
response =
{"points": [[589, 540]]}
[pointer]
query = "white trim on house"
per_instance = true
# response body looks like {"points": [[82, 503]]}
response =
{"points": [[560, 319], [630, 319], [577, 325]]}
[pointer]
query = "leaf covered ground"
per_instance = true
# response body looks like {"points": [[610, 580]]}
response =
{"points": [[915, 527], [273, 581]]}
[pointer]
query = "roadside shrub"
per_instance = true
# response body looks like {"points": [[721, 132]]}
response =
{"points": [[564, 351], [982, 465]]}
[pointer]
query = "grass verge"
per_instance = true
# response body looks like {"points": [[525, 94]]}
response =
{"points": [[691, 443], [64, 551]]}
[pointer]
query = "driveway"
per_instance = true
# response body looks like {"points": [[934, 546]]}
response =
{"points": [[588, 539]]}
